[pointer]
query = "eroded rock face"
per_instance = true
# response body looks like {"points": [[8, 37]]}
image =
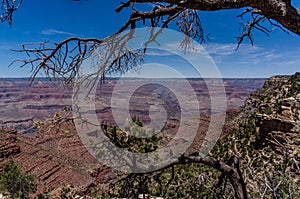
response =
{"points": [[21, 104], [276, 108], [56, 157], [282, 135], [9, 144]]}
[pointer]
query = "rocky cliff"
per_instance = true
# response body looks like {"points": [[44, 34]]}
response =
{"points": [[276, 107], [56, 157], [9, 143], [267, 139]]}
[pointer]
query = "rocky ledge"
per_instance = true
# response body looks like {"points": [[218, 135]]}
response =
{"points": [[276, 109], [9, 144]]}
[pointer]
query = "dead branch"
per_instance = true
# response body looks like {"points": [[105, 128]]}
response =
{"points": [[232, 173], [111, 54], [70, 53], [256, 20], [8, 7], [281, 11]]}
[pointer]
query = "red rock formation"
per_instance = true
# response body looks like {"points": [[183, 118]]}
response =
{"points": [[8, 144], [56, 157]]}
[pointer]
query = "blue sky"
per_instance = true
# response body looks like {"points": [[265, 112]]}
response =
{"points": [[58, 19]]}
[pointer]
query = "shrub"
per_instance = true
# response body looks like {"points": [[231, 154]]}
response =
{"points": [[15, 182]]}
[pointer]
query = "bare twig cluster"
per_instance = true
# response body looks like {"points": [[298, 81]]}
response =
{"points": [[257, 21], [63, 60], [8, 7], [173, 177], [109, 55]]}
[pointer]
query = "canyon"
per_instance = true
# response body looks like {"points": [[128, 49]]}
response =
{"points": [[21, 104], [47, 145]]}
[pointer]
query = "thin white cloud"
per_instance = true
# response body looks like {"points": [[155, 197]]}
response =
{"points": [[220, 49], [246, 54], [56, 32], [265, 56], [289, 62], [154, 52], [289, 58], [226, 53], [179, 45]]}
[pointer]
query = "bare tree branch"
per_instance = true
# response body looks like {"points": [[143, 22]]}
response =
{"points": [[63, 60], [69, 54], [281, 11], [232, 173], [8, 7]]}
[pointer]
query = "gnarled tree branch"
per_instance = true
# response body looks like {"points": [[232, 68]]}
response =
{"points": [[8, 7], [233, 173], [281, 11]]}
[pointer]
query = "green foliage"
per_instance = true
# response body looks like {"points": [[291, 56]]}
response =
{"points": [[294, 82], [135, 137], [64, 192], [67, 192], [267, 111], [277, 105], [267, 173], [296, 114], [15, 182], [39, 123], [180, 181], [137, 121], [42, 196]]}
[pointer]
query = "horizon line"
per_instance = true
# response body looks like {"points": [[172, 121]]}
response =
{"points": [[107, 78]]}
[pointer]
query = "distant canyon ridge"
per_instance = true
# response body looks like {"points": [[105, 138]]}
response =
{"points": [[21, 104]]}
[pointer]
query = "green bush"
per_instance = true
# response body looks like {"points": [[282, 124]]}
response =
{"points": [[15, 182]]}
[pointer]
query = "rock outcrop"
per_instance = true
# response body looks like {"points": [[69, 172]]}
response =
{"points": [[276, 107], [56, 157], [8, 144], [267, 139]]}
